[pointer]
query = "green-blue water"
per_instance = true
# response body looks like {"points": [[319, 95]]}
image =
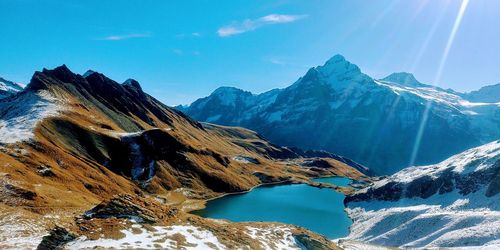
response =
{"points": [[319, 210], [339, 181]]}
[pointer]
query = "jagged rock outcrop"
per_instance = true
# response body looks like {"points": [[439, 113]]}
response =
{"points": [[134, 208]]}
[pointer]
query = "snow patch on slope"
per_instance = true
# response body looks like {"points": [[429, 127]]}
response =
{"points": [[275, 238], [9, 86], [20, 115], [186, 237], [447, 220], [161, 237]]}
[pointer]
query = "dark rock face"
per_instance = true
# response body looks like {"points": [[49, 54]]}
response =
{"points": [[310, 243], [56, 239], [494, 187], [426, 186], [20, 192], [126, 206], [135, 155]]}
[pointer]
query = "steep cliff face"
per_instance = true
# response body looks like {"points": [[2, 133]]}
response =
{"points": [[453, 203], [338, 108]]}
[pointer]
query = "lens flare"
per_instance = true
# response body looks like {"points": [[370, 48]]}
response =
{"points": [[442, 63]]}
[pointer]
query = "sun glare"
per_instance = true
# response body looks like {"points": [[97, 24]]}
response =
{"points": [[437, 79]]}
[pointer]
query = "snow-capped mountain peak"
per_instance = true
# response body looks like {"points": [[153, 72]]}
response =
{"points": [[338, 65], [404, 79], [340, 73]]}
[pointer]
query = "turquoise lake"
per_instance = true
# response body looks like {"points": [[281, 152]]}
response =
{"points": [[319, 210]]}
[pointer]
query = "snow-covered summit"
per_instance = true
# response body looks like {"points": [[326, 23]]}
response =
{"points": [[338, 73], [338, 65]]}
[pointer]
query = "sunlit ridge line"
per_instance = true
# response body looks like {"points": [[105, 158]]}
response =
{"points": [[425, 115]]}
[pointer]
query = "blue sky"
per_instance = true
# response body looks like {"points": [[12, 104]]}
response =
{"points": [[182, 50]]}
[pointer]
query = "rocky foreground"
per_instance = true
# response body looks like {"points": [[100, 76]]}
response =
{"points": [[132, 222]]}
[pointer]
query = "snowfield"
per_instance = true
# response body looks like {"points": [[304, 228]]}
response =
{"points": [[19, 115], [186, 237], [162, 238], [449, 219]]}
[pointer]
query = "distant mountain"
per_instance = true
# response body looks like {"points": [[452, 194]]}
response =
{"points": [[454, 203], [8, 88], [489, 94], [335, 107]]}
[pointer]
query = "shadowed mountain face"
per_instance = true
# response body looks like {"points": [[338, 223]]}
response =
{"points": [[490, 93], [335, 107]]}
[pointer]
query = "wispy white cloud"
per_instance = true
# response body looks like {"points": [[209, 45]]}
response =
{"points": [[181, 52], [252, 24], [178, 51], [126, 36], [188, 35]]}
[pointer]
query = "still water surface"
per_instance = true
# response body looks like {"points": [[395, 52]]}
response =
{"points": [[319, 210]]}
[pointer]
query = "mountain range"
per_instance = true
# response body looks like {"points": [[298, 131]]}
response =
{"points": [[101, 159], [386, 124], [89, 162]]}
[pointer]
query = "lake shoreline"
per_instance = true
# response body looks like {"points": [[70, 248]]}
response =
{"points": [[284, 204]]}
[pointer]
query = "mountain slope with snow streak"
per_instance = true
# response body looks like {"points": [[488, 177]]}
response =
{"points": [[8, 88], [455, 203]]}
